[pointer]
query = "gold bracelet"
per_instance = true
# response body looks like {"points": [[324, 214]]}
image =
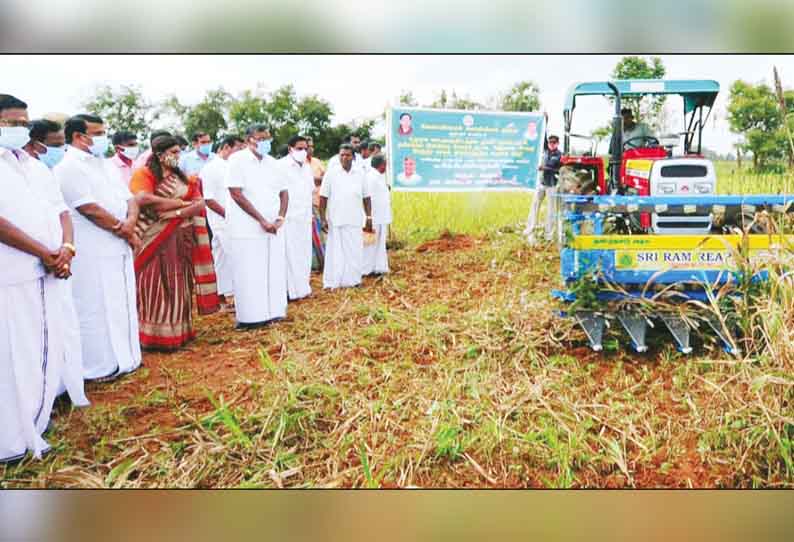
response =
{"points": [[71, 248]]}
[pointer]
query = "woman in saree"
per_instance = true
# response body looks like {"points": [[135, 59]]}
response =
{"points": [[175, 257]]}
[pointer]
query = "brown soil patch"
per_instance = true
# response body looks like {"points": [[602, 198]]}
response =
{"points": [[448, 241]]}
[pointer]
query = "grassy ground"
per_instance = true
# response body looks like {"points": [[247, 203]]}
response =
{"points": [[451, 371]]}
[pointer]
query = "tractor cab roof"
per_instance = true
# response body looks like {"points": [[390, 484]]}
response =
{"points": [[696, 92]]}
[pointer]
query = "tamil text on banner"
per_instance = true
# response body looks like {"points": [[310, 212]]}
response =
{"points": [[437, 150]]}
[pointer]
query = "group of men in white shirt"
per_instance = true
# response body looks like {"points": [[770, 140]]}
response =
{"points": [[260, 213], [65, 315], [68, 311]]}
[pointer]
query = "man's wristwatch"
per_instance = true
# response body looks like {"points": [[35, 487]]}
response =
{"points": [[70, 247]]}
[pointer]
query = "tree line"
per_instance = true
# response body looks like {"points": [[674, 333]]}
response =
{"points": [[755, 111]]}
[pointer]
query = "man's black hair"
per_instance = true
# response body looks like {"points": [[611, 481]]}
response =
{"points": [[11, 102], [377, 160], [78, 125], [123, 137], [40, 128], [294, 140], [252, 129]]}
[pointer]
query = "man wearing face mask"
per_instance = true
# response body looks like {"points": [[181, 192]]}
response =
{"points": [[127, 150], [298, 226], [260, 197], [47, 142], [191, 162], [32, 335], [46, 147], [104, 213]]}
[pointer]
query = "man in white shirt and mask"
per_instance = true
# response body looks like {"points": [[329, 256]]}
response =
{"points": [[298, 226], [376, 260], [43, 180], [254, 220], [32, 348], [217, 199], [104, 213], [342, 193]]}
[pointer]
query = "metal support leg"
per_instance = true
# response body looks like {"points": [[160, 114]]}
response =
{"points": [[635, 325], [680, 331], [593, 326], [714, 323]]}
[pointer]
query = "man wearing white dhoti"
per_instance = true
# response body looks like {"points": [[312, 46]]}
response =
{"points": [[43, 181], [31, 337], [104, 213], [254, 220], [342, 193], [217, 199], [376, 260], [298, 225]]}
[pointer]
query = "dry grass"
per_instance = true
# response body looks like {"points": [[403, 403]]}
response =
{"points": [[452, 371]]}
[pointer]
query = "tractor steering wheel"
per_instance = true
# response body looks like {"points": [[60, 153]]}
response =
{"points": [[652, 142]]}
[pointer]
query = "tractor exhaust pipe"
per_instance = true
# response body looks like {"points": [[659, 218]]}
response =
{"points": [[615, 144]]}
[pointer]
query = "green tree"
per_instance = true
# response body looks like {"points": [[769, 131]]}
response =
{"points": [[523, 96], [648, 108], [407, 99], [453, 101], [123, 109], [247, 109], [209, 115], [753, 112]]}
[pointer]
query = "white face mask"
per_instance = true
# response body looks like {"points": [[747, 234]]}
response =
{"points": [[299, 155], [14, 137], [131, 152]]}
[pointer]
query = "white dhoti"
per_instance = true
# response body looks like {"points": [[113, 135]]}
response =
{"points": [[31, 363], [104, 297], [72, 376], [376, 260], [223, 262], [343, 257], [260, 278], [298, 238]]}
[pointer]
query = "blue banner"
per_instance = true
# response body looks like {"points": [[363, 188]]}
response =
{"points": [[437, 150]]}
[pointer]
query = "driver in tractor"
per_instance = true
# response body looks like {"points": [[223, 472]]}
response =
{"points": [[635, 134]]}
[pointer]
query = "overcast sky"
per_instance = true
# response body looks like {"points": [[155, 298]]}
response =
{"points": [[360, 86]]}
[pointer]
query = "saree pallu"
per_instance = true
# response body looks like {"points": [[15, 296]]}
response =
{"points": [[318, 241], [174, 262]]}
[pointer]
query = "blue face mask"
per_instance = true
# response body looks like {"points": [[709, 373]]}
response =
{"points": [[205, 149], [52, 156], [100, 145], [263, 147]]}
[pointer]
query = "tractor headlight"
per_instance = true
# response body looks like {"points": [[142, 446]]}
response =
{"points": [[667, 188], [703, 188]]}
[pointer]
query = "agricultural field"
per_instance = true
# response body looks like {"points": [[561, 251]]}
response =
{"points": [[452, 371]]}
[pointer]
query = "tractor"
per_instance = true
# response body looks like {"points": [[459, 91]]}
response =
{"points": [[650, 240], [646, 166]]}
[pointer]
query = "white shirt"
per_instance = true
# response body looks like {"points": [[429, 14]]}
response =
{"points": [[261, 183], [213, 181], [381, 197], [358, 162], [27, 209], [640, 130], [300, 181], [345, 191], [86, 179], [44, 183]]}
